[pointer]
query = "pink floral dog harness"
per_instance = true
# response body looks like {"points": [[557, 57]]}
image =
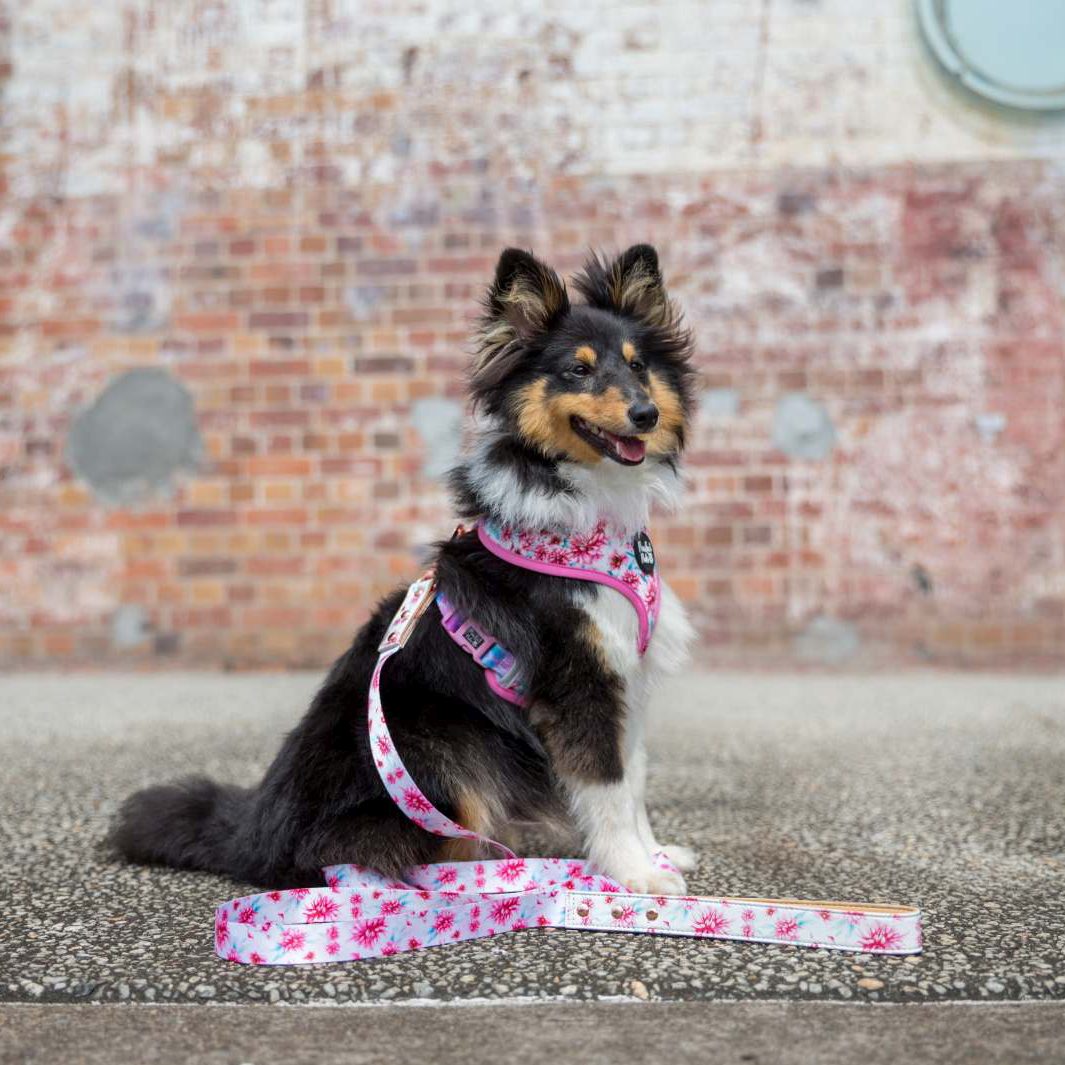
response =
{"points": [[603, 555], [361, 914]]}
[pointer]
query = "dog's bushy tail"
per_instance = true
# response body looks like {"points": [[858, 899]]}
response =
{"points": [[191, 824]]}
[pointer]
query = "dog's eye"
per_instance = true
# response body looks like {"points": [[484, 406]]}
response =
{"points": [[637, 366], [580, 369]]}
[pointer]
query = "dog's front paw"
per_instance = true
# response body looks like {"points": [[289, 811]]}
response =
{"points": [[651, 880], [684, 858]]}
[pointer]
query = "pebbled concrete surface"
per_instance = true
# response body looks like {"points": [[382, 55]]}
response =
{"points": [[594, 1034], [940, 790]]}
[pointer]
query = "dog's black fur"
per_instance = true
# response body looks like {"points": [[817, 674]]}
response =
{"points": [[478, 758]]}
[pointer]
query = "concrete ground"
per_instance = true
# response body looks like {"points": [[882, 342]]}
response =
{"points": [[945, 791]]}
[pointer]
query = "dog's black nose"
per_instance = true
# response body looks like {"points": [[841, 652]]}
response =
{"points": [[643, 415]]}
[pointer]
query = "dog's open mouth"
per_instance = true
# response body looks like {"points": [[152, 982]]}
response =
{"points": [[628, 450]]}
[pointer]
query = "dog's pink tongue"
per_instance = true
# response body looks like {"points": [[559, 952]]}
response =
{"points": [[630, 448]]}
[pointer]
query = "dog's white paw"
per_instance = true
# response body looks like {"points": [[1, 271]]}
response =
{"points": [[684, 858], [653, 881]]}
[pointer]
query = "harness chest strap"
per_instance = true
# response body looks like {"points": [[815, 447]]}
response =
{"points": [[361, 914]]}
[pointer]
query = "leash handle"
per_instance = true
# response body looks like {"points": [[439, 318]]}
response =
{"points": [[361, 914]]}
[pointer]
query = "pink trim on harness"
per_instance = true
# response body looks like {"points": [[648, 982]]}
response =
{"points": [[604, 555]]}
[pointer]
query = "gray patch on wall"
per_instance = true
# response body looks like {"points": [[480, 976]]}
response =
{"points": [[827, 641], [138, 433], [439, 423], [802, 427], [129, 626], [719, 403]]}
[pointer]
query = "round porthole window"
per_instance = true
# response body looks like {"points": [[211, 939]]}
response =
{"points": [[1009, 51]]}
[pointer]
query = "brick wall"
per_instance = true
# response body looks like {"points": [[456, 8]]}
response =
{"points": [[284, 211]]}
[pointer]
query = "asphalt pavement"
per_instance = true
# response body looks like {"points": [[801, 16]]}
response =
{"points": [[945, 791]]}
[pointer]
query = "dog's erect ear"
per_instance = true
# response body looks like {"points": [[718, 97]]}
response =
{"points": [[631, 284], [527, 297], [526, 293]]}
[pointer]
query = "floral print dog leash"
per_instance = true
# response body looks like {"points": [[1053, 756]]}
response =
{"points": [[361, 914]]}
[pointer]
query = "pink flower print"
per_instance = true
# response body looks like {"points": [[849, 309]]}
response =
{"points": [[274, 896], [322, 909], [711, 922], [395, 776], [232, 956], [575, 869], [414, 800], [650, 594], [413, 944], [390, 907], [519, 925], [332, 948], [748, 915], [540, 553], [221, 929], [503, 910], [445, 920], [247, 916], [631, 578], [542, 921], [626, 916], [334, 932], [256, 958], [448, 875], [384, 746], [825, 915], [388, 950], [512, 869], [787, 928], [292, 939], [558, 556], [617, 560], [881, 937], [300, 892], [334, 882], [367, 933], [748, 930], [588, 548]]}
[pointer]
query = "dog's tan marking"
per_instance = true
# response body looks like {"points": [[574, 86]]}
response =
{"points": [[587, 355], [472, 811], [544, 420], [670, 416], [628, 350]]}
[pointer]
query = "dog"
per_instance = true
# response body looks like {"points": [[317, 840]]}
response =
{"points": [[583, 411]]}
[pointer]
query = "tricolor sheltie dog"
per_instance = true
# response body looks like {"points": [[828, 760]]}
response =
{"points": [[584, 410]]}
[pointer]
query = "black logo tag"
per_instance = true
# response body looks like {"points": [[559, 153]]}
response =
{"points": [[473, 638], [645, 552]]}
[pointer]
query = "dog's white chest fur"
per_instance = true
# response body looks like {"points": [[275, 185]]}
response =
{"points": [[616, 624]]}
